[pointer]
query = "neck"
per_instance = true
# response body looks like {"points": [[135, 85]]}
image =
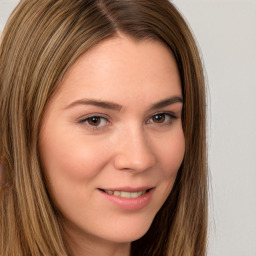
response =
{"points": [[99, 249], [89, 245]]}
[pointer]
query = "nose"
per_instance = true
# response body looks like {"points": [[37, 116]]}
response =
{"points": [[133, 152]]}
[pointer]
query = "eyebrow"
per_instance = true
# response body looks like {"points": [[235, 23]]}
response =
{"points": [[97, 103], [166, 102], [117, 107]]}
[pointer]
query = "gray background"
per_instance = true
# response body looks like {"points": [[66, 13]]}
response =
{"points": [[226, 34]]}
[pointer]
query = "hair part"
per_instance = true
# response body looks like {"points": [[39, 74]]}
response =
{"points": [[41, 40]]}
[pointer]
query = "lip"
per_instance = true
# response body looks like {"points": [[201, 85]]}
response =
{"points": [[127, 189], [131, 204]]}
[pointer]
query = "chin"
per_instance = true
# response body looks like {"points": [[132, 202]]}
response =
{"points": [[128, 232]]}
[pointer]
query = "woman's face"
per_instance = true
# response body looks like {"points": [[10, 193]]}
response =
{"points": [[111, 140]]}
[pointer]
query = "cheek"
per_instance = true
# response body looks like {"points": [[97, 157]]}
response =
{"points": [[70, 165], [71, 157], [172, 154]]}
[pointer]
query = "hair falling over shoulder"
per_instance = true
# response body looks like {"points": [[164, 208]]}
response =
{"points": [[41, 40]]}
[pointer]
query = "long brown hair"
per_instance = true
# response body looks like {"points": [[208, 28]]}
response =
{"points": [[41, 40]]}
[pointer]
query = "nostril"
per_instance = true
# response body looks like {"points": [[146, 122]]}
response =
{"points": [[134, 153]]}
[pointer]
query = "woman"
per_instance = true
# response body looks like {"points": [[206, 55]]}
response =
{"points": [[103, 130]]}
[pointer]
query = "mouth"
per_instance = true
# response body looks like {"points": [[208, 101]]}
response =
{"points": [[128, 198], [125, 194]]}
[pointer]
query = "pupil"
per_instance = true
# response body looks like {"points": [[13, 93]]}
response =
{"points": [[159, 118], [94, 120]]}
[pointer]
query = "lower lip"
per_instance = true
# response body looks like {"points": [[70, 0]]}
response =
{"points": [[131, 204]]}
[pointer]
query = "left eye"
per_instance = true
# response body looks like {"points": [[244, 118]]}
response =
{"points": [[95, 121], [161, 118]]}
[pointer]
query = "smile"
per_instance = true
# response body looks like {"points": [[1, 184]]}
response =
{"points": [[125, 194], [128, 198]]}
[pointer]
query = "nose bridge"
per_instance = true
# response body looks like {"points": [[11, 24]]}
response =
{"points": [[134, 151]]}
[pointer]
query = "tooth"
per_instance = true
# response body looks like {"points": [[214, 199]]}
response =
{"points": [[125, 194], [142, 193], [117, 193], [136, 194]]}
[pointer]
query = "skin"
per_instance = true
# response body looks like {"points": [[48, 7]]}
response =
{"points": [[128, 146]]}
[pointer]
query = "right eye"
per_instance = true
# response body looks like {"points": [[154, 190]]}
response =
{"points": [[95, 122]]}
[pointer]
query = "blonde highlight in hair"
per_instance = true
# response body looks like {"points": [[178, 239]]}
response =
{"points": [[41, 40]]}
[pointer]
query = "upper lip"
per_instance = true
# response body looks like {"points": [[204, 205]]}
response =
{"points": [[127, 189]]}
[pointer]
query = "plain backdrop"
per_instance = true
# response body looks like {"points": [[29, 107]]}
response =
{"points": [[226, 35]]}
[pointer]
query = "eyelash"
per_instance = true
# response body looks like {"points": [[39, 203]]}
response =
{"points": [[166, 115], [101, 118], [96, 116]]}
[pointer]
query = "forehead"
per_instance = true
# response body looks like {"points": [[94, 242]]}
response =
{"points": [[120, 69]]}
